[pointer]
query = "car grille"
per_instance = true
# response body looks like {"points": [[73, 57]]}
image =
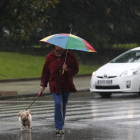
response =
{"points": [[108, 76], [107, 87]]}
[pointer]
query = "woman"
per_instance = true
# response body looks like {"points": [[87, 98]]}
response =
{"points": [[59, 73]]}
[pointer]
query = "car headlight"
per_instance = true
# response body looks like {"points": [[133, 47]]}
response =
{"points": [[94, 73], [129, 72]]}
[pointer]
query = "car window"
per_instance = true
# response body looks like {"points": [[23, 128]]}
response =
{"points": [[128, 57]]}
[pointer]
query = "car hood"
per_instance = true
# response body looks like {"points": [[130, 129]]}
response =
{"points": [[115, 69]]}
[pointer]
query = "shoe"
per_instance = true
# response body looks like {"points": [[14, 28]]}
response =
{"points": [[60, 131]]}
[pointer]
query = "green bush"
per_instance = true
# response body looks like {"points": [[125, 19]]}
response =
{"points": [[125, 46]]}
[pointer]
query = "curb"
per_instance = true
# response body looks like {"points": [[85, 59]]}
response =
{"points": [[35, 95]]}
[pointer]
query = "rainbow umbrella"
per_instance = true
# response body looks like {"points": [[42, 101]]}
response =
{"points": [[69, 41]]}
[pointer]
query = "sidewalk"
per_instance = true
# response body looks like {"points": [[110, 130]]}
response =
{"points": [[32, 88]]}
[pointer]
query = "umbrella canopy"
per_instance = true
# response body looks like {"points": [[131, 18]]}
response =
{"points": [[69, 41]]}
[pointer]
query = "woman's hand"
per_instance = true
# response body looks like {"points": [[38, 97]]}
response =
{"points": [[64, 67], [41, 90]]}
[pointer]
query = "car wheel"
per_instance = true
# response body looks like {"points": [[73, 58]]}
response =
{"points": [[105, 95]]}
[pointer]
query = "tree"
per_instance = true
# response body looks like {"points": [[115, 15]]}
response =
{"points": [[101, 22], [22, 18]]}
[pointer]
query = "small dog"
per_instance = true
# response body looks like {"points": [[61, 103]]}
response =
{"points": [[25, 119]]}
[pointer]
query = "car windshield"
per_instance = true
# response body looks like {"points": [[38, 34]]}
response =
{"points": [[128, 57]]}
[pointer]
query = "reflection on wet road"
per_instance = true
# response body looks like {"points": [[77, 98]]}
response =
{"points": [[88, 117]]}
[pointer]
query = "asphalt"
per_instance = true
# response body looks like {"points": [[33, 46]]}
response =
{"points": [[31, 87]]}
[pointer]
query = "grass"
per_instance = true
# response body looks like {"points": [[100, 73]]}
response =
{"points": [[86, 69], [125, 46], [16, 65]]}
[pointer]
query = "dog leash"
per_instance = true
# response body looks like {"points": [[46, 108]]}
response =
{"points": [[40, 93], [30, 105]]}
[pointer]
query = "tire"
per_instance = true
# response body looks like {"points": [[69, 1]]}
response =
{"points": [[105, 95]]}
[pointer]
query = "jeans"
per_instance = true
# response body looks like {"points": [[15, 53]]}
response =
{"points": [[60, 108]]}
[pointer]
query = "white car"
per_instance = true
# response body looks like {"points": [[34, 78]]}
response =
{"points": [[122, 74]]}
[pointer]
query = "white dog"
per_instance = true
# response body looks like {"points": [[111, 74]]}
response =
{"points": [[25, 119]]}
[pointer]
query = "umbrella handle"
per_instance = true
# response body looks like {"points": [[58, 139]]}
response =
{"points": [[65, 61], [63, 72]]}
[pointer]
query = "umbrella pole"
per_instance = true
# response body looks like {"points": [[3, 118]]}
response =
{"points": [[66, 56], [65, 60]]}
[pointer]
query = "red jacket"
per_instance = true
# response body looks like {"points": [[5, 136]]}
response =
{"points": [[52, 73]]}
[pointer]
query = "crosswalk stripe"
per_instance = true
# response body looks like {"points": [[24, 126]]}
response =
{"points": [[129, 122], [93, 111], [35, 106], [92, 106], [71, 101], [78, 108]]}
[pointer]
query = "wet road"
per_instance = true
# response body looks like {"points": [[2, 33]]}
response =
{"points": [[89, 117]]}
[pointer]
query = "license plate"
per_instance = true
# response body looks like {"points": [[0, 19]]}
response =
{"points": [[104, 82]]}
